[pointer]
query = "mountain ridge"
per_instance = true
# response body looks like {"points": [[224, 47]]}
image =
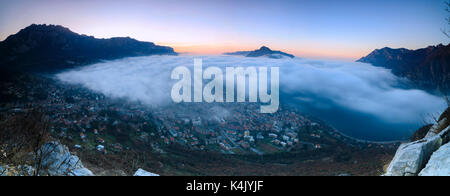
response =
{"points": [[428, 68], [263, 51], [47, 48]]}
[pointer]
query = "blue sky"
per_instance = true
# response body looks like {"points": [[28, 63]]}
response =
{"points": [[315, 28]]}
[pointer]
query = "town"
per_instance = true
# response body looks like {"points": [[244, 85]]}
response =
{"points": [[87, 121], [95, 121]]}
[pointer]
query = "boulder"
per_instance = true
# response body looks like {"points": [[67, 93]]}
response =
{"points": [[412, 157], [141, 172], [439, 163], [58, 161]]}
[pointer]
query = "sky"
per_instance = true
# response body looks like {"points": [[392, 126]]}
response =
{"points": [[345, 29]]}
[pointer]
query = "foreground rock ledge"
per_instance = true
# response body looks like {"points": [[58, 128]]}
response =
{"points": [[58, 161], [439, 163], [411, 158]]}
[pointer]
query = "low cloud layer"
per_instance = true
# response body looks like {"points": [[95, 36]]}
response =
{"points": [[357, 87]]}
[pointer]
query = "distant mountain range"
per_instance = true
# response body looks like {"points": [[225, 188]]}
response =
{"points": [[46, 48], [428, 68], [262, 52]]}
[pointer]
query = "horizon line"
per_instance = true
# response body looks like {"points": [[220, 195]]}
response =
{"points": [[220, 49]]}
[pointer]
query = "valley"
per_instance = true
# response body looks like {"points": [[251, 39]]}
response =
{"points": [[115, 137]]}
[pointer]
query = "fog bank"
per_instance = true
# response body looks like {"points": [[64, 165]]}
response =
{"points": [[356, 98]]}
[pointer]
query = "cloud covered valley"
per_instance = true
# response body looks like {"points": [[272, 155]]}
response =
{"points": [[358, 99]]}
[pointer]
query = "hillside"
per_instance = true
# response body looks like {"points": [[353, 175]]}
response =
{"points": [[428, 68], [44, 48]]}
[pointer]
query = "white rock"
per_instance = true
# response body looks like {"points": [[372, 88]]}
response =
{"points": [[439, 163], [410, 158], [100, 147], [141, 172], [81, 172], [58, 161]]}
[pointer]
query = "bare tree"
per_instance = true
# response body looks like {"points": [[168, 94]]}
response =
{"points": [[21, 137]]}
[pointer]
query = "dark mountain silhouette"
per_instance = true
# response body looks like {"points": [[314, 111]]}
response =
{"points": [[46, 48], [429, 68], [263, 51]]}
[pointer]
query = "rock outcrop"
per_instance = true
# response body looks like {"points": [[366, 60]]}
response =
{"points": [[412, 159], [53, 159], [439, 163], [58, 161], [141, 172]]}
